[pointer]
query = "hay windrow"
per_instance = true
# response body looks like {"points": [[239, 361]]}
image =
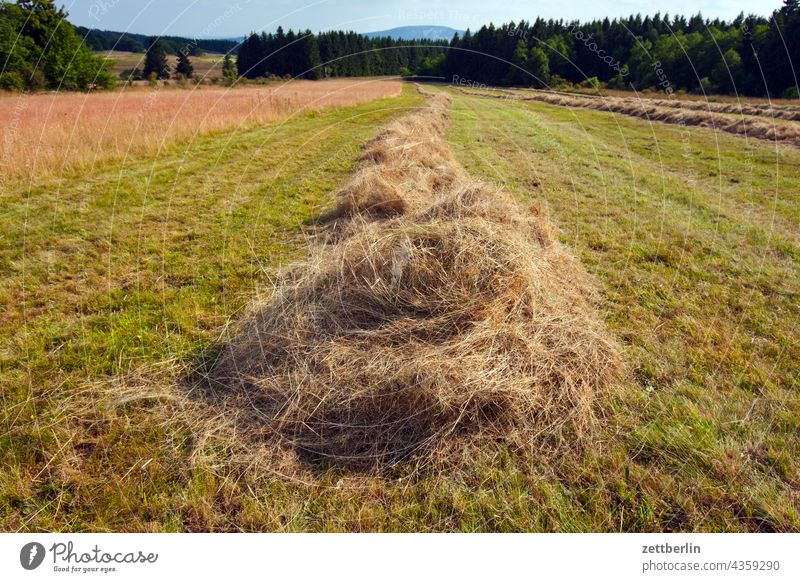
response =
{"points": [[759, 127], [746, 107], [403, 168], [448, 313]]}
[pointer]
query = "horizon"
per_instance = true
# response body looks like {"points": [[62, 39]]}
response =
{"points": [[213, 19]]}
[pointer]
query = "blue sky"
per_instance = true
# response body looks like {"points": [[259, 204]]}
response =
{"points": [[225, 18]]}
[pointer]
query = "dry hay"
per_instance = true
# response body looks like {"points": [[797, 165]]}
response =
{"points": [[787, 112], [769, 110], [404, 167], [454, 316], [751, 127]]}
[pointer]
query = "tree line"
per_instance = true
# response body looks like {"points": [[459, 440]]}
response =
{"points": [[106, 40], [333, 54], [750, 55]]}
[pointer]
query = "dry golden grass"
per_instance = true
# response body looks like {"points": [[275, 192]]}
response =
{"points": [[449, 316], [52, 134], [767, 110], [760, 126]]}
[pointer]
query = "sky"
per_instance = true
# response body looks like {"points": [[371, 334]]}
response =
{"points": [[231, 18]]}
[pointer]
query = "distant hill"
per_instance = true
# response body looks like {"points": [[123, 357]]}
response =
{"points": [[104, 40], [417, 32]]}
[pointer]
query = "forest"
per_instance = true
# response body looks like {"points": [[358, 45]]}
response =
{"points": [[750, 55], [106, 40], [334, 54]]}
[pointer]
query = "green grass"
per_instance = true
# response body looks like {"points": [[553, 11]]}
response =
{"points": [[694, 236], [118, 277], [137, 264]]}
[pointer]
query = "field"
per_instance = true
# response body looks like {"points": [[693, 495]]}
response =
{"points": [[206, 67], [55, 134], [122, 274]]}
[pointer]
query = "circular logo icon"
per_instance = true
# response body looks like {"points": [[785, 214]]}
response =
{"points": [[31, 555]]}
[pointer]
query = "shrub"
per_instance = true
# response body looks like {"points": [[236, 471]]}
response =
{"points": [[12, 81], [591, 83], [617, 82], [134, 74], [791, 93]]}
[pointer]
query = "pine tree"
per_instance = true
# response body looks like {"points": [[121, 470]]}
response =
{"points": [[538, 65], [228, 70], [155, 61], [184, 66], [311, 57]]}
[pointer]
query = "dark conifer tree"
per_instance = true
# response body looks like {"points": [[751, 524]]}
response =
{"points": [[311, 60], [184, 66], [228, 69], [155, 61]]}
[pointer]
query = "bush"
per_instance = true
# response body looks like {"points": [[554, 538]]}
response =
{"points": [[591, 83], [791, 93], [12, 81], [560, 83], [617, 82]]}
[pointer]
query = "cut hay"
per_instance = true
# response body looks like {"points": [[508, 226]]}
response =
{"points": [[758, 127], [404, 167], [768, 110], [448, 313], [787, 112]]}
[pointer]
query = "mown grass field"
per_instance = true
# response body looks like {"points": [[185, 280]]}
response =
{"points": [[695, 235], [133, 270], [134, 264]]}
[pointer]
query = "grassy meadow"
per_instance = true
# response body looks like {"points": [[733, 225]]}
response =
{"points": [[134, 263], [120, 275], [207, 66], [57, 134], [694, 235]]}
